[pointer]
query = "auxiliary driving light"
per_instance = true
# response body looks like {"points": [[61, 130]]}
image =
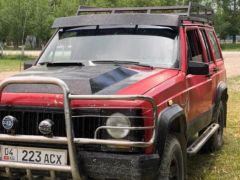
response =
{"points": [[118, 120], [46, 127], [9, 123]]}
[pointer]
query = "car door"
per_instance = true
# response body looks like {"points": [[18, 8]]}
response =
{"points": [[211, 59], [219, 72], [199, 86]]}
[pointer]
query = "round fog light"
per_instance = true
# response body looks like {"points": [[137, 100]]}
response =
{"points": [[118, 120], [46, 127]]}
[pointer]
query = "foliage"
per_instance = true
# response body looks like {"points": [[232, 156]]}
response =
{"points": [[20, 18], [230, 47], [227, 18]]}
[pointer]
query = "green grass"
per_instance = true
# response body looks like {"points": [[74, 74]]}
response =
{"points": [[230, 47], [12, 63], [224, 164]]}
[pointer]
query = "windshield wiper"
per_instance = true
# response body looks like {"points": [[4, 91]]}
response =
{"points": [[48, 63], [119, 62]]}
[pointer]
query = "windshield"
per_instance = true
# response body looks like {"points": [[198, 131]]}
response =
{"points": [[155, 46]]}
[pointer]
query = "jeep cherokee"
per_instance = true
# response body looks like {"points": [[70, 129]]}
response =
{"points": [[118, 93]]}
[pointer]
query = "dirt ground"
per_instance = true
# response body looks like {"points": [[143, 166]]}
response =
{"points": [[4, 75], [232, 64]]}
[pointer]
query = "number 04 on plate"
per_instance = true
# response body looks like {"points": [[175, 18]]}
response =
{"points": [[34, 155]]}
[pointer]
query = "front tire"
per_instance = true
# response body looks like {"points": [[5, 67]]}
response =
{"points": [[172, 162]]}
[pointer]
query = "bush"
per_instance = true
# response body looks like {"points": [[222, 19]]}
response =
{"points": [[230, 47]]}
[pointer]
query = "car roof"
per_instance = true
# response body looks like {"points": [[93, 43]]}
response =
{"points": [[171, 16]]}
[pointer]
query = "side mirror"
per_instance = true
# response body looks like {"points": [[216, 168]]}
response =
{"points": [[28, 64], [198, 68]]}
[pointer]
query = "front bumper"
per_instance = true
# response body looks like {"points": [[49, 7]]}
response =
{"points": [[100, 165], [94, 165], [71, 141]]}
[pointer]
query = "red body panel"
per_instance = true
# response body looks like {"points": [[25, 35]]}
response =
{"points": [[194, 93]]}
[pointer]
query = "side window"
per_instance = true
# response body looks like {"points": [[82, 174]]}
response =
{"points": [[206, 45], [194, 46], [214, 44]]}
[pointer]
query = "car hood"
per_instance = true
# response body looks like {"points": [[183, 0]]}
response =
{"points": [[87, 80]]}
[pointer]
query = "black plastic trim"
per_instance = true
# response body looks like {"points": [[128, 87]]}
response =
{"points": [[119, 166], [117, 19], [221, 89], [222, 95], [166, 119], [200, 122]]}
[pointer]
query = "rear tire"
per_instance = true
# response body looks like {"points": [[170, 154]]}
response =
{"points": [[172, 162], [216, 141]]}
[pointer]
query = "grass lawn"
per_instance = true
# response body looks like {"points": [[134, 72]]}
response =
{"points": [[224, 164], [230, 47], [12, 63]]}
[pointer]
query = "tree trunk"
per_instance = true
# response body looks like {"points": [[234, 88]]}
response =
{"points": [[23, 50], [234, 39], [1, 49], [23, 34]]}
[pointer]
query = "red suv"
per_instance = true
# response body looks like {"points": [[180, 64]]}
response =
{"points": [[120, 93]]}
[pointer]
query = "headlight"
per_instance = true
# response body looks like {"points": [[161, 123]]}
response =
{"points": [[118, 120]]}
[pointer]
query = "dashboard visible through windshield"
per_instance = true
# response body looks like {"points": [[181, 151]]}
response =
{"points": [[154, 45]]}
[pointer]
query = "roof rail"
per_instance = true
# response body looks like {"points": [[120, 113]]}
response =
{"points": [[150, 10], [191, 10], [200, 11]]}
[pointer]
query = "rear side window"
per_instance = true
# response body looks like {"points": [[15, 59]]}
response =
{"points": [[206, 45], [194, 46], [214, 44]]}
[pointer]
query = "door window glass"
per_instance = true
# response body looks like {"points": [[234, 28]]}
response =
{"points": [[194, 46], [206, 45], [214, 44]]}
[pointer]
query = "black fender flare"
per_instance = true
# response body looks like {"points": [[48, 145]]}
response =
{"points": [[222, 95], [171, 120]]}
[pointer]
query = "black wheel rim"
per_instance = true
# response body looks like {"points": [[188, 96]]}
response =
{"points": [[174, 169]]}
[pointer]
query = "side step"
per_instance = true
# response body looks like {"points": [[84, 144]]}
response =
{"points": [[201, 140]]}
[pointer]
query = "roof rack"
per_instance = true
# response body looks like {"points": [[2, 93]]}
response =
{"points": [[192, 10]]}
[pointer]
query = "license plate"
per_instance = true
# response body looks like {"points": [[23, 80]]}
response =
{"points": [[34, 155]]}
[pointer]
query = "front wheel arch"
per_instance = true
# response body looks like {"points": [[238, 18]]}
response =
{"points": [[171, 120]]}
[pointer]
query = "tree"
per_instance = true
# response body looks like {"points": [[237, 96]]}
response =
{"points": [[4, 27], [15, 18], [41, 21], [20, 18], [228, 20], [65, 8]]}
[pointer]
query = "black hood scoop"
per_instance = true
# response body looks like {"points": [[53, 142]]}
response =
{"points": [[82, 80]]}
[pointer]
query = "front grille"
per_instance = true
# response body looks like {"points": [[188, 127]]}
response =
{"points": [[85, 121]]}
